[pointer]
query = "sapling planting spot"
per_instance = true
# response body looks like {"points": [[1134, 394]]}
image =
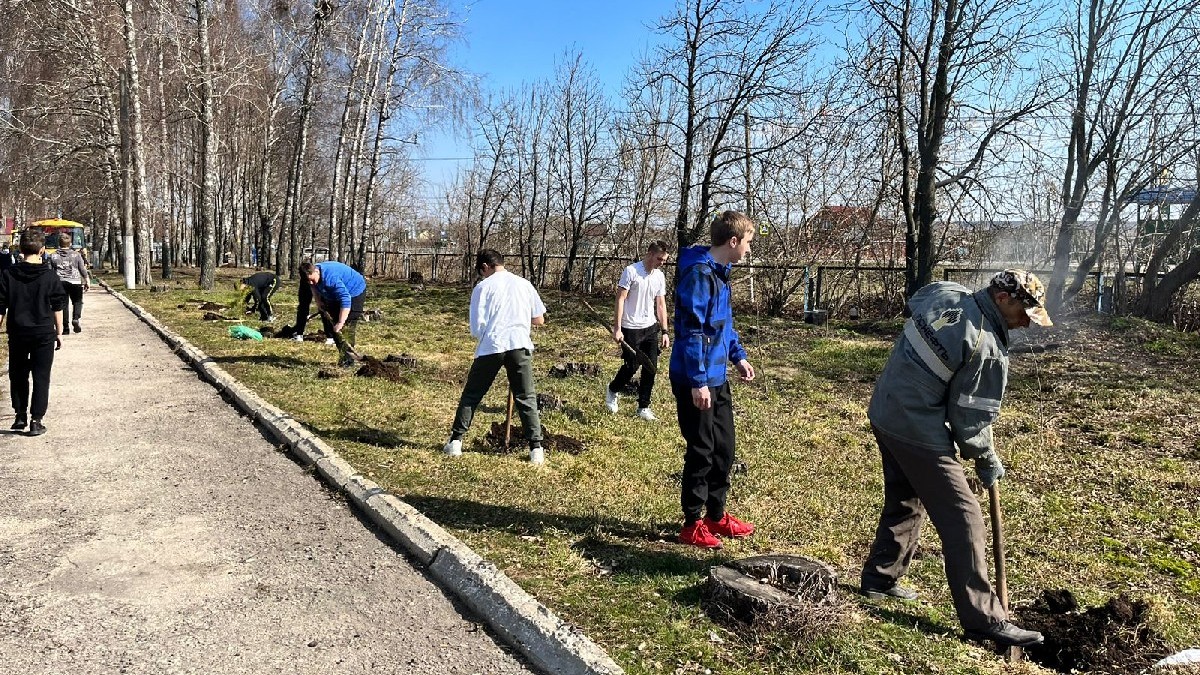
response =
{"points": [[1113, 638]]}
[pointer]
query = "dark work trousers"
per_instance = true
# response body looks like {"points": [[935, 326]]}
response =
{"points": [[261, 297], [303, 307], [30, 356], [710, 451], [75, 303], [518, 363], [916, 481], [646, 341], [350, 330]]}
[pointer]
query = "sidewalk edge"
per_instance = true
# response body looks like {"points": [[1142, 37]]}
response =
{"points": [[549, 643]]}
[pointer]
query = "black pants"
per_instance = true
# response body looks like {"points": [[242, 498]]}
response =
{"points": [[260, 296], [518, 363], [646, 341], [30, 356], [304, 305], [710, 451], [917, 482], [75, 303]]}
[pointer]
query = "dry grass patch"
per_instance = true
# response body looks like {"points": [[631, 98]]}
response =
{"points": [[1098, 434]]}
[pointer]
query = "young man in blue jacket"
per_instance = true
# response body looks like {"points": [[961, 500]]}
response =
{"points": [[340, 291], [705, 342]]}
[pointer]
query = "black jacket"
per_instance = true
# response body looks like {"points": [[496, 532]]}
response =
{"points": [[30, 295]]}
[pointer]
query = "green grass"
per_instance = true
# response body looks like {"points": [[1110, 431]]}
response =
{"points": [[1100, 440]]}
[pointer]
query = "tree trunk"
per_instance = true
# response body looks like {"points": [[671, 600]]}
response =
{"points": [[208, 142]]}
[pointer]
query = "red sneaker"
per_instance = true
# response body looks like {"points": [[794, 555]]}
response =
{"points": [[728, 526], [697, 534]]}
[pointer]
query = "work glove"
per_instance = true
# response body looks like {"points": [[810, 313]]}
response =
{"points": [[988, 468]]}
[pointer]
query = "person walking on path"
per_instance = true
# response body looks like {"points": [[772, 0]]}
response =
{"points": [[641, 321], [173, 537], [339, 291], [73, 274], [941, 389], [31, 297], [6, 257], [504, 307], [705, 341], [260, 286]]}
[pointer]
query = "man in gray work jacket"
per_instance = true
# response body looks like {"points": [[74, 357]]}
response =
{"points": [[941, 389]]}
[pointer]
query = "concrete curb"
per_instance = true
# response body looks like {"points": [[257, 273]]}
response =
{"points": [[551, 644]]}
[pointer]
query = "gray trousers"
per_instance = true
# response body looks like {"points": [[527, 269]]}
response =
{"points": [[917, 481], [518, 363]]}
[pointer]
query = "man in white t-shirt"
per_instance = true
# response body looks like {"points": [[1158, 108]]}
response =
{"points": [[641, 320], [503, 308]]}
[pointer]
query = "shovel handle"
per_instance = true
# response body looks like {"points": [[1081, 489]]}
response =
{"points": [[1011, 654], [998, 544], [508, 420]]}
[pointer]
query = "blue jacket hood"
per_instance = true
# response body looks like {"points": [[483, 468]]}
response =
{"points": [[696, 254]]}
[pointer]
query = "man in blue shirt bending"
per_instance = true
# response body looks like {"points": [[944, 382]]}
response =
{"points": [[339, 291]]}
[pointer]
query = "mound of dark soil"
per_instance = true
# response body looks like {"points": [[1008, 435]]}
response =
{"points": [[388, 370], [561, 370], [550, 402], [213, 316], [516, 440], [212, 307], [1112, 638]]}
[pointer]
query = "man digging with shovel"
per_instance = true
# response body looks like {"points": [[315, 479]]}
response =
{"points": [[339, 291], [504, 307], [941, 389]]}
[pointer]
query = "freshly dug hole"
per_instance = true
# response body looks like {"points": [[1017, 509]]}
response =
{"points": [[1112, 638]]}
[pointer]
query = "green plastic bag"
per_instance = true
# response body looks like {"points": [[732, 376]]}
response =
{"points": [[244, 333]]}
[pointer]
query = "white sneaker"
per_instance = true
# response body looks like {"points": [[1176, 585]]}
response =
{"points": [[610, 400], [646, 414], [537, 456], [329, 341], [297, 338], [453, 447]]}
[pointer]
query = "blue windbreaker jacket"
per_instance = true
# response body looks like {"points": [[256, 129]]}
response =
{"points": [[705, 341]]}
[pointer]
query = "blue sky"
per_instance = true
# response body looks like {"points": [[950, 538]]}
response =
{"points": [[513, 41]]}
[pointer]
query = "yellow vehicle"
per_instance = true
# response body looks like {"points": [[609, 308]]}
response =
{"points": [[52, 227]]}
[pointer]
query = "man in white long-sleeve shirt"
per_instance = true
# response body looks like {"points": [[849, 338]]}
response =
{"points": [[504, 307]]}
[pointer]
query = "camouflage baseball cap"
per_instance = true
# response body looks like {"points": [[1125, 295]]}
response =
{"points": [[1026, 287]]}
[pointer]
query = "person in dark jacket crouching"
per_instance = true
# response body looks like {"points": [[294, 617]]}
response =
{"points": [[31, 299], [940, 392]]}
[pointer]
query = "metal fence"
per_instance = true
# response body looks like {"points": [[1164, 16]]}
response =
{"points": [[812, 291]]}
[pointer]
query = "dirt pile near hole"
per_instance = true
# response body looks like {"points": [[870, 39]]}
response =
{"points": [[1112, 638], [388, 370], [561, 370], [516, 441]]}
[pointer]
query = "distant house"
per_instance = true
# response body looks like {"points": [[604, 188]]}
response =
{"points": [[855, 232]]}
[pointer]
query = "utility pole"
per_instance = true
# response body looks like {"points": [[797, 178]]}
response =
{"points": [[127, 253]]}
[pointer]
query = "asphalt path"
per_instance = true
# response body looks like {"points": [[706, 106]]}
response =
{"points": [[154, 530]]}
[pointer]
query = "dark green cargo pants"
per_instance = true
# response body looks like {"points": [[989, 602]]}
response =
{"points": [[518, 363]]}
